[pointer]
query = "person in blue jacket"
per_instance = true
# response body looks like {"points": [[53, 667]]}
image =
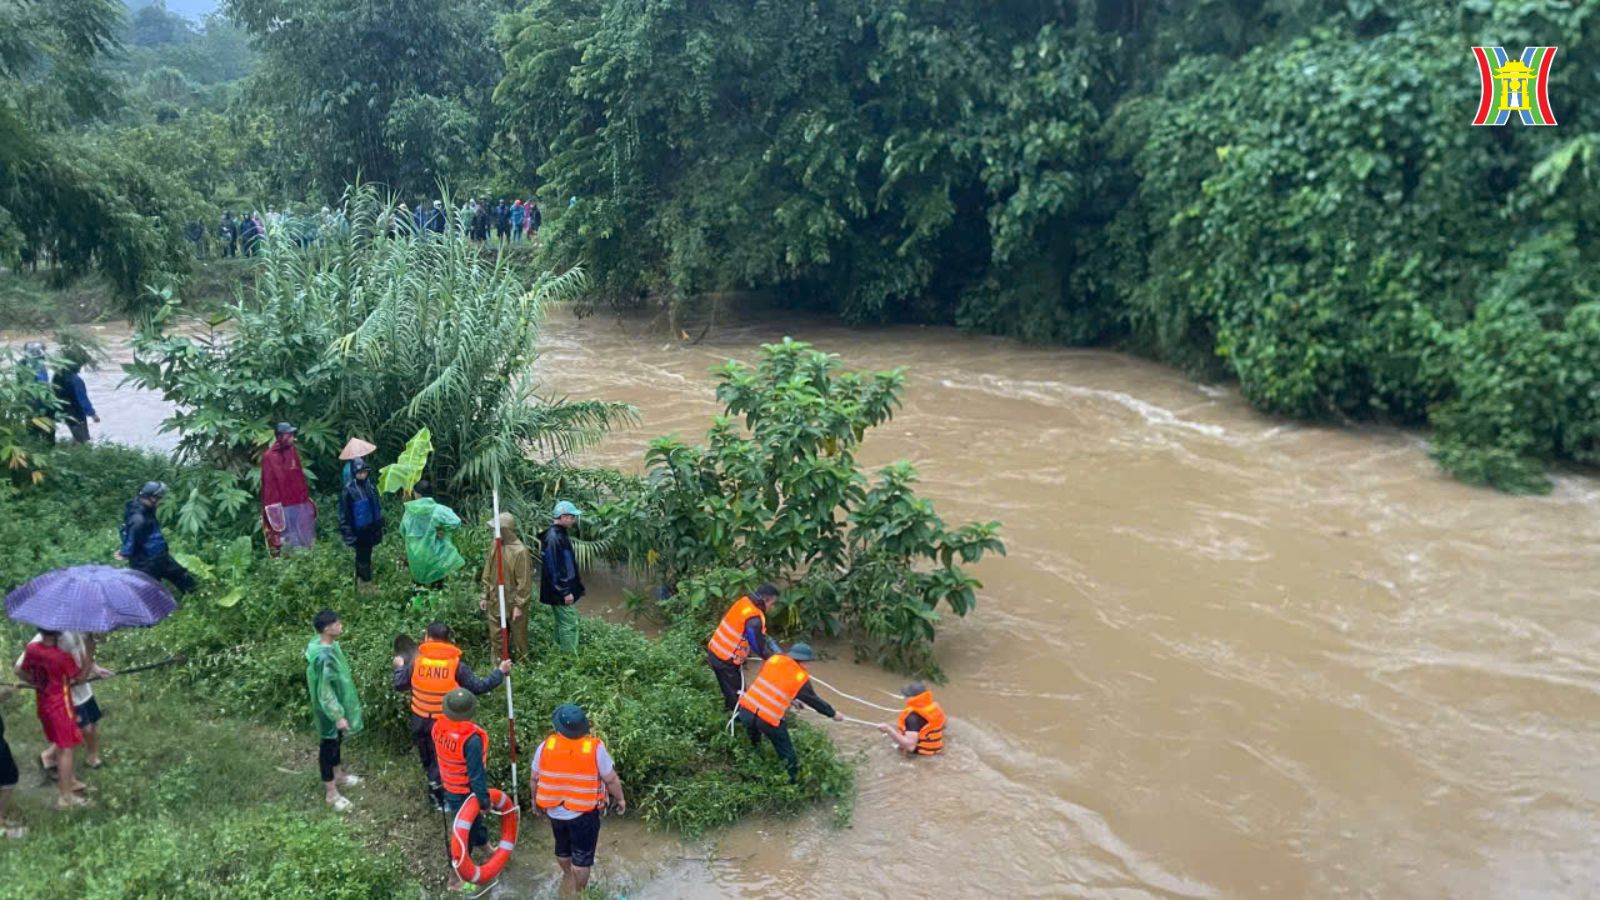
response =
{"points": [[143, 546], [361, 518], [74, 396]]}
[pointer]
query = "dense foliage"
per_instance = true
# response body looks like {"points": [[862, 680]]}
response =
{"points": [[390, 90], [1286, 193], [784, 499], [66, 200], [374, 335], [653, 701]]}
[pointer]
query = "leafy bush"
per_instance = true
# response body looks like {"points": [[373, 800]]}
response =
{"points": [[788, 501], [366, 334]]}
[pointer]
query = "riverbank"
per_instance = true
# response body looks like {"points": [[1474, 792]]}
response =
{"points": [[220, 750]]}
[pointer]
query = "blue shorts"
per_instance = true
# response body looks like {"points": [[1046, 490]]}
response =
{"points": [[88, 713], [577, 838]]}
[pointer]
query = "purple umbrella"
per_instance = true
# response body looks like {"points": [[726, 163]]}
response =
{"points": [[95, 599]]}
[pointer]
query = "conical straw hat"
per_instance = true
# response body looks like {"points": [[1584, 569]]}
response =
{"points": [[356, 447]]}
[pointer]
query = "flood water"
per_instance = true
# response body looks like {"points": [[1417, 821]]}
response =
{"points": [[1226, 656]]}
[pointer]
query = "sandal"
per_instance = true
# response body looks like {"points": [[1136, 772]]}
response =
{"points": [[12, 831], [341, 803], [350, 780], [74, 802]]}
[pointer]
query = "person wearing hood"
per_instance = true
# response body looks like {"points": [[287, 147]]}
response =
{"points": [[361, 518], [517, 563], [426, 527], [33, 368], [287, 514], [560, 588], [335, 706], [73, 396], [143, 546]]}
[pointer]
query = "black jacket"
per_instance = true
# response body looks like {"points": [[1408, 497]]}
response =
{"points": [[558, 572]]}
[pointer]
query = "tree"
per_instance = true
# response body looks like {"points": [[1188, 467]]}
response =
{"points": [[348, 83], [784, 498], [76, 203]]}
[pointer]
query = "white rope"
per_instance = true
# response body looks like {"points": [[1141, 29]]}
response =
{"points": [[735, 714], [850, 697], [854, 721]]}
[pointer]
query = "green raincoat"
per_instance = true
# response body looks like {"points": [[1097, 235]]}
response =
{"points": [[332, 690], [430, 553]]}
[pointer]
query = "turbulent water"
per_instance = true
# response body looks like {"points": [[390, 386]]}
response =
{"points": [[1225, 656]]}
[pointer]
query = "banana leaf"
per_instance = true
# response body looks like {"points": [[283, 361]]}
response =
{"points": [[404, 473]]}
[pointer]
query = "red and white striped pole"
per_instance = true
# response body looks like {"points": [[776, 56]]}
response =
{"points": [[505, 640]]}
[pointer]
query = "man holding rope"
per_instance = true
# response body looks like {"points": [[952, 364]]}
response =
{"points": [[742, 634], [782, 682]]}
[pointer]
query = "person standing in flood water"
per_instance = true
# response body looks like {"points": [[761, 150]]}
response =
{"points": [[288, 516], [920, 729], [573, 778]]}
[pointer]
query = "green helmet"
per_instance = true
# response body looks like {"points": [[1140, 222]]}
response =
{"points": [[459, 705]]}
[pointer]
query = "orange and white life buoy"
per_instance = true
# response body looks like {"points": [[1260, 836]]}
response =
{"points": [[461, 837]]}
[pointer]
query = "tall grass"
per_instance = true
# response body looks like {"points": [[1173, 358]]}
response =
{"points": [[377, 330]]}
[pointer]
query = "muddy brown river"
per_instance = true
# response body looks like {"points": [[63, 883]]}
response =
{"points": [[1226, 656]]}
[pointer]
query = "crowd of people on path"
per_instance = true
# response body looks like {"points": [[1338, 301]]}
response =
{"points": [[572, 777], [67, 399], [246, 232], [509, 221]]}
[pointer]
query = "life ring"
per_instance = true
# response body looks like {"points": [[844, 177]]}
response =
{"points": [[461, 837]]}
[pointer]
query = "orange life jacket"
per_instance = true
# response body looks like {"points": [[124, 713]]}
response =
{"points": [[775, 687], [727, 642], [450, 743], [569, 774], [930, 737], [433, 675]]}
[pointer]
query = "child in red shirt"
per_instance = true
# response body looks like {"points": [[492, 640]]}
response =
{"points": [[51, 670]]}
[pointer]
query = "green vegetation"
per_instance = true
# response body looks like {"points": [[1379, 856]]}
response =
{"points": [[653, 701], [789, 501], [1289, 194], [1283, 194], [375, 336]]}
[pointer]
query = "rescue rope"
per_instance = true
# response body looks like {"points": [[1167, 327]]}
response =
{"points": [[855, 721], [856, 699], [735, 714]]}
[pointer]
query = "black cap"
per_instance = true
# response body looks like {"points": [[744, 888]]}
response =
{"points": [[152, 489], [285, 428], [913, 689]]}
